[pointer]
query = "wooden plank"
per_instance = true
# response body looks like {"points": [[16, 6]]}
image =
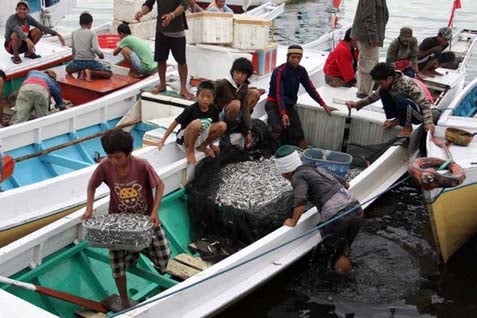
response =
{"points": [[180, 270], [194, 262]]}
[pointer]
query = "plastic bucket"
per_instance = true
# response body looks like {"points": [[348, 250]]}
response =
{"points": [[335, 161]]}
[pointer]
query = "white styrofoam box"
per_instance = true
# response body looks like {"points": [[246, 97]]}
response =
{"points": [[124, 10], [250, 33], [210, 27], [213, 62], [145, 30]]}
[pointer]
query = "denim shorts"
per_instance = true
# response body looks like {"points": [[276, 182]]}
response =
{"points": [[78, 65]]}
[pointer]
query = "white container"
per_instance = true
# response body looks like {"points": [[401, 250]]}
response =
{"points": [[250, 33], [210, 28], [145, 30], [124, 10]]}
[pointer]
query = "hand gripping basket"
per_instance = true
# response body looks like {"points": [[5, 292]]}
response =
{"points": [[119, 231], [335, 161]]}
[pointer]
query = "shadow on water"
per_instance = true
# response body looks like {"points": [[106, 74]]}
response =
{"points": [[396, 273]]}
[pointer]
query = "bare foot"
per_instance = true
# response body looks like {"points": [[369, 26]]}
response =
{"points": [[390, 123], [159, 88], [88, 75], [186, 94], [214, 148], [209, 152], [191, 157]]}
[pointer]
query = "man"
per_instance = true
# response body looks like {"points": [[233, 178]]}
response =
{"points": [[402, 52], [282, 96], [170, 36], [219, 6], [328, 192], [404, 101], [340, 66], [34, 95], [368, 29], [431, 54], [19, 38]]}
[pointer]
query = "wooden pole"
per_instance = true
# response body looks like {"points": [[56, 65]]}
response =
{"points": [[74, 142], [88, 303]]}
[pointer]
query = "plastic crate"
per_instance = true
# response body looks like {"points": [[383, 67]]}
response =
{"points": [[335, 161], [119, 231], [108, 41]]}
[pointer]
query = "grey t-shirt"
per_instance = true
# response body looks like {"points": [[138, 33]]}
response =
{"points": [[84, 44]]}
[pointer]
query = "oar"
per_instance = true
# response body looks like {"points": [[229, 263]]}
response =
{"points": [[74, 142], [88, 303]]}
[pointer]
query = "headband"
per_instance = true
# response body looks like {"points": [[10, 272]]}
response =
{"points": [[295, 51]]}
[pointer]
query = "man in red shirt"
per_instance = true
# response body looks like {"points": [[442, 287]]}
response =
{"points": [[340, 66]]}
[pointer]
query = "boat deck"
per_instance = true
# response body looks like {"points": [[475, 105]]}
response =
{"points": [[81, 91]]}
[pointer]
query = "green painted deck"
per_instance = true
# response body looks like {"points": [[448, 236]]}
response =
{"points": [[85, 271]]}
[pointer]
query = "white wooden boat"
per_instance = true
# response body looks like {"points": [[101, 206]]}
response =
{"points": [[452, 211]]}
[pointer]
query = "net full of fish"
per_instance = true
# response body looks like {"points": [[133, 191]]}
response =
{"points": [[257, 189], [119, 231]]}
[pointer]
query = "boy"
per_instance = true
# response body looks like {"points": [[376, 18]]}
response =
{"points": [[200, 125], [124, 173], [136, 52], [84, 44], [19, 38], [329, 194], [235, 100]]}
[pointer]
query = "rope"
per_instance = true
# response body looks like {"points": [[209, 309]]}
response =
{"points": [[312, 230]]}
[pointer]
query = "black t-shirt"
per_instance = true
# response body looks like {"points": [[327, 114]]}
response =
{"points": [[429, 43], [194, 112]]}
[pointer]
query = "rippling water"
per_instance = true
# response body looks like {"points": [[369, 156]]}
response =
{"points": [[397, 272]]}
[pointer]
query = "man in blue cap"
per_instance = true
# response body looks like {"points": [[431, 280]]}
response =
{"points": [[431, 52], [328, 192]]}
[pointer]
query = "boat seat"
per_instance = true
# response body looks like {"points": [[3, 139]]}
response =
{"points": [[80, 91]]}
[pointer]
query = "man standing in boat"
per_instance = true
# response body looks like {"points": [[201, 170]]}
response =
{"points": [[368, 29], [19, 38], [328, 192], [404, 101], [170, 36], [283, 117]]}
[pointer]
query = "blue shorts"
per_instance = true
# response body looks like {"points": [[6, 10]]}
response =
{"points": [[79, 65]]}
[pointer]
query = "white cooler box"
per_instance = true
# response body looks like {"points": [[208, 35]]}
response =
{"points": [[210, 28], [250, 33]]}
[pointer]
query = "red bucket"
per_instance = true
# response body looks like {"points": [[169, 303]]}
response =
{"points": [[108, 41]]}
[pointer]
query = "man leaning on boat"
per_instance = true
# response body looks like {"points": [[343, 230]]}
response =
{"points": [[404, 101]]}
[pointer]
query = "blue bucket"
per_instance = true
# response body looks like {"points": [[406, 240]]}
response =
{"points": [[335, 161]]}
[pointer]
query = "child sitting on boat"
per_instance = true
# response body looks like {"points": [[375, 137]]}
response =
{"points": [[84, 43], [404, 101], [136, 52], [131, 181], [19, 38], [328, 192], [236, 100], [200, 125]]}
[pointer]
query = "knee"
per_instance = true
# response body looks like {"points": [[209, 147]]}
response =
{"points": [[253, 97], [233, 108], [194, 125], [14, 37], [126, 52], [221, 127]]}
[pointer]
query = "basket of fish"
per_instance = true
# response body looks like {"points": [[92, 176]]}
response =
{"points": [[119, 231]]}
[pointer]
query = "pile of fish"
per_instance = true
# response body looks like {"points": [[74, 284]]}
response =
{"points": [[253, 199], [128, 231]]}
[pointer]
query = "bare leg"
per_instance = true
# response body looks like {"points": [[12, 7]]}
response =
{"points": [[252, 98], [190, 136], [183, 78], [121, 284], [216, 130], [100, 74], [161, 69], [126, 52], [16, 43]]}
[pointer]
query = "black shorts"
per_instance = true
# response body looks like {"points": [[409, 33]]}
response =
{"points": [[292, 135], [164, 44], [22, 49]]}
